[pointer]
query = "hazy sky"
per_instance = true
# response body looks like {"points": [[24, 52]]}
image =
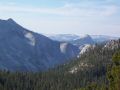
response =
{"points": [[65, 16]]}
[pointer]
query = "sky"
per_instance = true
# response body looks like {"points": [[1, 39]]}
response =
{"points": [[94, 17]]}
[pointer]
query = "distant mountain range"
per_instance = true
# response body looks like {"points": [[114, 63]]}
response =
{"points": [[63, 37], [24, 50], [83, 41], [103, 38], [73, 37]]}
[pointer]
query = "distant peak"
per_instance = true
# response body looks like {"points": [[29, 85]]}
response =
{"points": [[86, 36], [11, 20], [9, 24]]}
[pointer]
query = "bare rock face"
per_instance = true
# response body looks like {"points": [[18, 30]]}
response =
{"points": [[86, 48], [113, 44], [24, 50]]}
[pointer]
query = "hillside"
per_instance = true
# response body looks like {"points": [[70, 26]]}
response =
{"points": [[24, 50], [90, 68]]}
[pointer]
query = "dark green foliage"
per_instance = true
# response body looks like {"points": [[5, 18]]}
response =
{"points": [[113, 76], [92, 78], [114, 73]]}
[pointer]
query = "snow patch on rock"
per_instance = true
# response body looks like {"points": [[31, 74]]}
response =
{"points": [[31, 38], [113, 44], [85, 48], [63, 47], [80, 67]]}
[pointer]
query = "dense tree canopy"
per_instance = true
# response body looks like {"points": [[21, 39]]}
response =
{"points": [[95, 76]]}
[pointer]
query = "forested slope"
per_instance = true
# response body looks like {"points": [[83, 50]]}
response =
{"points": [[89, 72]]}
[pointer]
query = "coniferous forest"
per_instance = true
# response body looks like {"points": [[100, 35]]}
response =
{"points": [[100, 71]]}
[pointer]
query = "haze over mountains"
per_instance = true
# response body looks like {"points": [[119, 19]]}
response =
{"points": [[73, 37], [24, 50]]}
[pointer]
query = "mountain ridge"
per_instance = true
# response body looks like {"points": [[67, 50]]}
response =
{"points": [[96, 38], [24, 50]]}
